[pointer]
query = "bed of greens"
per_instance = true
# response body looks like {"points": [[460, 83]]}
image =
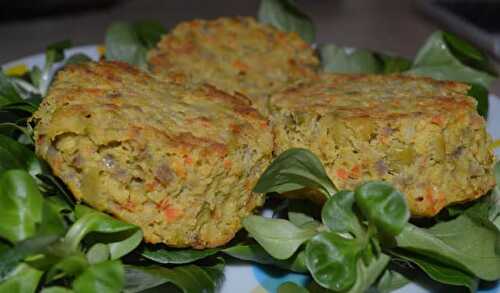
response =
{"points": [[359, 240]]}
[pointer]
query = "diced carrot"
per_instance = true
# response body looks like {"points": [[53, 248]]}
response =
{"points": [[169, 213], [342, 174], [438, 119], [227, 163], [238, 64], [151, 186], [188, 160], [356, 171]]}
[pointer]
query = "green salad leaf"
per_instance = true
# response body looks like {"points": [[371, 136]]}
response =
{"points": [[480, 93], [368, 273], [279, 237], [451, 243], [446, 57], [69, 266], [292, 170], [390, 281], [78, 58], [331, 259], [255, 253], [177, 256], [8, 93], [130, 42], [187, 278], [56, 289], [120, 237], [21, 203], [338, 215], [442, 273], [14, 155], [383, 206], [23, 279], [12, 256], [348, 60], [108, 276], [285, 15], [336, 59]]}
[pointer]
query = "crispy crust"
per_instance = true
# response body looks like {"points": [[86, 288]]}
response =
{"points": [[177, 160], [422, 135], [237, 55]]}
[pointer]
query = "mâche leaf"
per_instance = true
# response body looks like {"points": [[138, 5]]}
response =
{"points": [[123, 44], [480, 93], [284, 15], [441, 272], [130, 42], [121, 237], [21, 204], [255, 253], [348, 60], [23, 279], [14, 155], [292, 170], [436, 59], [336, 59], [368, 273], [280, 238], [451, 243], [187, 278], [383, 206], [106, 276], [338, 215], [177, 256], [390, 281], [332, 259], [12, 256]]}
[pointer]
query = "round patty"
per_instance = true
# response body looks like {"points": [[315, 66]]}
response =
{"points": [[237, 55], [178, 160], [422, 135]]}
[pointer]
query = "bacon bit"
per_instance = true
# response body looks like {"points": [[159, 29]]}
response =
{"points": [[169, 213], [438, 119], [342, 174], [264, 125], [238, 64], [227, 164]]}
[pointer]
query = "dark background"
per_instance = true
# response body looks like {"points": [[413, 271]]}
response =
{"points": [[389, 25]]}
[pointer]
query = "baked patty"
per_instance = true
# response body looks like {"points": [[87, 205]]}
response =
{"points": [[422, 135], [236, 55], [178, 160]]}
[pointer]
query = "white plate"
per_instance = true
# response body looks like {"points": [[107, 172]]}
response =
{"points": [[244, 277]]}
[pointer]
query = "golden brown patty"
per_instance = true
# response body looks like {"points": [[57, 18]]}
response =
{"points": [[235, 55], [177, 160], [422, 135]]}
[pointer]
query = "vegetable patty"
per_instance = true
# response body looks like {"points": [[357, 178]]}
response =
{"points": [[422, 135], [178, 160], [236, 55]]}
